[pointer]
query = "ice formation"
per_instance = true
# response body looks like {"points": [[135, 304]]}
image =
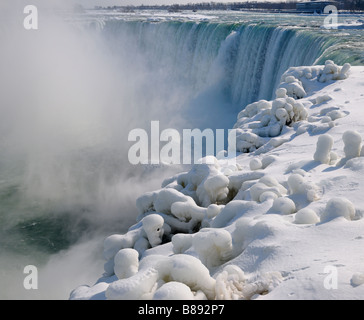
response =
{"points": [[306, 216], [338, 207], [357, 279], [323, 149], [353, 144], [148, 234], [298, 185], [330, 71], [255, 164], [212, 246], [205, 183], [126, 263], [158, 270], [174, 291], [264, 119], [293, 87], [266, 186], [283, 206]]}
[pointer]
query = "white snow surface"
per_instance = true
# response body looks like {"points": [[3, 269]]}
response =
{"points": [[286, 222]]}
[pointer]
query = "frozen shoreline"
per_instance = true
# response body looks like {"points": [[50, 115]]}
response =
{"points": [[284, 224]]}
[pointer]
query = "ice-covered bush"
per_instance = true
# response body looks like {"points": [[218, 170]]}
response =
{"points": [[174, 291], [180, 211], [255, 123], [268, 160], [205, 183], [267, 186], [321, 99], [283, 206], [157, 270], [297, 185], [148, 234], [229, 283], [160, 201], [357, 279], [247, 141], [293, 86], [331, 71], [338, 207], [232, 284], [212, 246], [323, 149], [255, 164], [181, 242], [299, 80], [231, 211], [255, 108], [352, 144], [306, 216], [126, 263]]}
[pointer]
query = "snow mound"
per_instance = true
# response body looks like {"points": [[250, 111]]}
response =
{"points": [[184, 269], [353, 143], [306, 216], [323, 149], [338, 207]]}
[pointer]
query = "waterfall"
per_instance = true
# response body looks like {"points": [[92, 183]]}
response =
{"points": [[243, 61]]}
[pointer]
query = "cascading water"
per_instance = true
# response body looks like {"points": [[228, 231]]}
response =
{"points": [[70, 93], [243, 61]]}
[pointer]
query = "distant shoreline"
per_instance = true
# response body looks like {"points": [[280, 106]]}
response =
{"points": [[123, 10], [130, 9]]}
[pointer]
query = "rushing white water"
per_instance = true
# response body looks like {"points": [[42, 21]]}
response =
{"points": [[243, 61], [71, 91]]}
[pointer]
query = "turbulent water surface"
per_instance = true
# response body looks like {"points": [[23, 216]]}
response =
{"points": [[71, 91]]}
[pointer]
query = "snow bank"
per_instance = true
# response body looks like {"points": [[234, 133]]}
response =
{"points": [[268, 227]]}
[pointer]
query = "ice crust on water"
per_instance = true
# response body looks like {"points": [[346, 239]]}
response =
{"points": [[219, 232]]}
